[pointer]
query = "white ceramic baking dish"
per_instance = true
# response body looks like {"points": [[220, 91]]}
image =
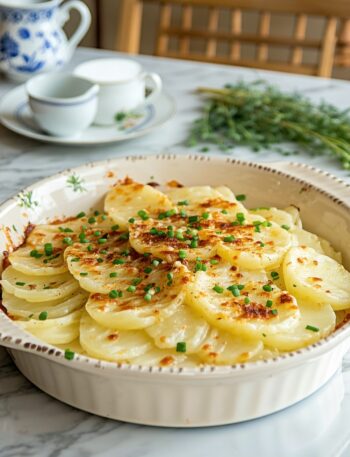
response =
{"points": [[182, 397]]}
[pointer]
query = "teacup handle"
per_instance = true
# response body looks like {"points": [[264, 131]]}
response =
{"points": [[154, 81], [84, 22]]}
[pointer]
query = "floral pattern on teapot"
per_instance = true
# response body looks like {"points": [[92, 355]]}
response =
{"points": [[32, 39]]}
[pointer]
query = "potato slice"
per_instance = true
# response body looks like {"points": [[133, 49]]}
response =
{"points": [[196, 200], [183, 326], [140, 300], [38, 288], [255, 245], [250, 308], [127, 198], [38, 264], [20, 308], [314, 277], [61, 330], [316, 322], [223, 348], [278, 216], [112, 345]]}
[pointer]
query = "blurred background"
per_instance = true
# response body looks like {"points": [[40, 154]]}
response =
{"points": [[106, 16]]}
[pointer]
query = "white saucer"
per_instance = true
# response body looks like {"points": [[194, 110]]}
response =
{"points": [[15, 114]]}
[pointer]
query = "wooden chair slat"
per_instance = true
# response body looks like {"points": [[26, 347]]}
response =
{"points": [[299, 33], [333, 48], [264, 31], [236, 28]]}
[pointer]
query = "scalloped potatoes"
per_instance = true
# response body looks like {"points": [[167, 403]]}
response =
{"points": [[180, 278]]}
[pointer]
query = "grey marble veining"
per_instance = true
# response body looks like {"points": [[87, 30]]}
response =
{"points": [[33, 424]]}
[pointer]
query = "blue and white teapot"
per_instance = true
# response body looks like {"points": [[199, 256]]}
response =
{"points": [[31, 37]]}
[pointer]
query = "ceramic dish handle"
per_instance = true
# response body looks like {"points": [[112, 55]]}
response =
{"points": [[154, 83], [316, 177]]}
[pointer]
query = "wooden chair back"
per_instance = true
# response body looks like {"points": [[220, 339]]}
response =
{"points": [[335, 14]]}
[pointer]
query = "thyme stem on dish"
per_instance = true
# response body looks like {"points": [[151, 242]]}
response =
{"points": [[259, 116]]}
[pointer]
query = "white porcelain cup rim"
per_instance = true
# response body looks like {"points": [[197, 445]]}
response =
{"points": [[36, 90], [106, 61]]}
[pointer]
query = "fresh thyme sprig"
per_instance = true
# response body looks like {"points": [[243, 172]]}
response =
{"points": [[259, 116]]}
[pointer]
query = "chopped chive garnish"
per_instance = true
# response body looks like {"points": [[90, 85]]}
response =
{"points": [[68, 354], [143, 214], [75, 259], [170, 276], [96, 213], [205, 215], [102, 240], [182, 254], [229, 239], [183, 203], [246, 300], [165, 214], [67, 240], [118, 261], [36, 254], [274, 275], [136, 281], [224, 211], [192, 219], [183, 213], [241, 197], [48, 248], [20, 283], [97, 233], [124, 236], [113, 274], [90, 248], [261, 244], [65, 230], [82, 238], [131, 220], [113, 294], [181, 346], [267, 288], [274, 312], [99, 260], [312, 328], [103, 217], [285, 227], [148, 270], [81, 214], [43, 316], [155, 262], [269, 303], [257, 228], [235, 290], [125, 253], [179, 236], [214, 261], [218, 289], [83, 273], [148, 297], [240, 217], [131, 289], [115, 227], [194, 244], [92, 220]]}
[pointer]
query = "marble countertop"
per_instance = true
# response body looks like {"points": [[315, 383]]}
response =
{"points": [[33, 424]]}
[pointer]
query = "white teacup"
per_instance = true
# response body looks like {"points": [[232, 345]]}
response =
{"points": [[122, 85], [62, 104]]}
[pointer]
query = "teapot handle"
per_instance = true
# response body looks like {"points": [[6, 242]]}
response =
{"points": [[84, 22]]}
